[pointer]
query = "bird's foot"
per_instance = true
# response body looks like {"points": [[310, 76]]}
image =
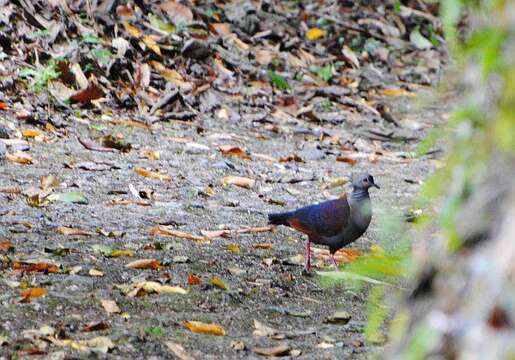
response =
{"points": [[307, 272], [333, 261]]}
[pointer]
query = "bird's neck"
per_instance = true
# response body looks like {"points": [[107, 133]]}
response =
{"points": [[359, 194]]}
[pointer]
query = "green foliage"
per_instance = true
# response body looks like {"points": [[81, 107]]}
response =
{"points": [[278, 81], [156, 331], [40, 77]]}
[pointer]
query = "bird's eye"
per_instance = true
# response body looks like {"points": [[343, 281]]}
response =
{"points": [[365, 180]]}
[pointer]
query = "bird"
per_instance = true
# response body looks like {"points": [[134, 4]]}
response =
{"points": [[334, 223]]}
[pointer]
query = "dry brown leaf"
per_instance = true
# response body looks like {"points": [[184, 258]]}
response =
{"points": [[92, 92], [178, 350], [110, 306], [194, 280], [166, 231], [203, 328], [230, 150], [342, 256], [264, 57], [238, 181], [96, 326], [222, 29], [36, 267], [73, 231], [265, 246], [279, 350], [178, 13], [152, 174], [145, 264], [5, 245], [12, 190], [347, 160], [154, 287], [20, 158], [292, 158]]}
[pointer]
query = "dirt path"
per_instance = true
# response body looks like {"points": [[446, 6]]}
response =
{"points": [[262, 284]]}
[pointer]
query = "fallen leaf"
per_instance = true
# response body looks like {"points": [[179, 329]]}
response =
{"points": [[262, 330], [222, 29], [152, 174], [315, 34], [178, 13], [96, 326], [132, 30], [95, 272], [101, 344], [122, 253], [238, 181], [154, 287], [264, 246], [230, 150], [398, 92], [194, 280], [33, 292], [151, 154], [145, 264], [32, 133], [72, 197], [73, 231], [110, 306], [347, 160], [20, 158], [218, 282], [37, 267], [233, 247], [203, 328], [279, 350], [92, 92], [5, 245], [178, 350], [166, 231], [48, 182], [152, 44]]}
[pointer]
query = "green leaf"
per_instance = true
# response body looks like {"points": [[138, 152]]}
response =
{"points": [[157, 22], [91, 39], [278, 81], [103, 250], [75, 197], [326, 73]]}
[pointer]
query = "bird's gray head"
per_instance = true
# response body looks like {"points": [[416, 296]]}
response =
{"points": [[363, 181]]}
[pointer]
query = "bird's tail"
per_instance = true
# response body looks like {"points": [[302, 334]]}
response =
{"points": [[279, 218]]}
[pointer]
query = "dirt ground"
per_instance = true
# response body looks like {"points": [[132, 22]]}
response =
{"points": [[262, 284]]}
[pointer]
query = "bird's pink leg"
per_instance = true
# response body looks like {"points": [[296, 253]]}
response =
{"points": [[333, 260], [307, 265]]}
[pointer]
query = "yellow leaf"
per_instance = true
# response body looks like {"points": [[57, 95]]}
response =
{"points": [[217, 282], [151, 155], [398, 92], [120, 253], [152, 44], [31, 133], [203, 328], [33, 292], [233, 247], [315, 34], [152, 174], [376, 249], [110, 306], [132, 30]]}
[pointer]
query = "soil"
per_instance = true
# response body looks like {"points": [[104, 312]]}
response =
{"points": [[271, 291]]}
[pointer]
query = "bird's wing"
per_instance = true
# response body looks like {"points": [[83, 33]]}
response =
{"points": [[325, 219]]}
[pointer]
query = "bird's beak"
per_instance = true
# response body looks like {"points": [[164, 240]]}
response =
{"points": [[376, 186]]}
